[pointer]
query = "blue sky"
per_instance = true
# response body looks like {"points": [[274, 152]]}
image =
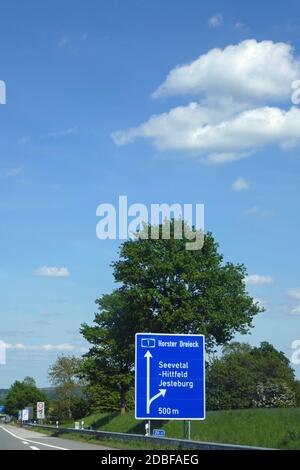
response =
{"points": [[78, 72]]}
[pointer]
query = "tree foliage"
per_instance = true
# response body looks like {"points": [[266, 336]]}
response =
{"points": [[246, 377], [164, 288], [63, 374], [180, 291], [109, 363], [23, 394]]}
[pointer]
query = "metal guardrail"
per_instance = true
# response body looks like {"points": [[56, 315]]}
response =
{"points": [[184, 443]]}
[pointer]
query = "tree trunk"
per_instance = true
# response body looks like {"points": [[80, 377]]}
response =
{"points": [[123, 400]]}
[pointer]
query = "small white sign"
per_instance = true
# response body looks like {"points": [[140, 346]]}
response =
{"points": [[25, 415], [40, 410]]}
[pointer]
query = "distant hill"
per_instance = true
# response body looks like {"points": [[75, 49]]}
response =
{"points": [[49, 391], [3, 393]]}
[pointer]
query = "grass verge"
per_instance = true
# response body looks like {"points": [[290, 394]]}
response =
{"points": [[272, 428]]}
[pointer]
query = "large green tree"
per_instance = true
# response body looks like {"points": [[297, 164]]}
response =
{"points": [[245, 377], [23, 394], [166, 288], [108, 366], [181, 291]]}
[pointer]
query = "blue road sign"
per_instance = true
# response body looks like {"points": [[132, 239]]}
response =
{"points": [[169, 376], [2, 408], [159, 432]]}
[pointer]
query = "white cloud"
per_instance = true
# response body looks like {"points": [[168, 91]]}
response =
{"points": [[13, 172], [193, 128], [63, 133], [296, 310], [24, 140], [235, 116], [257, 279], [41, 347], [241, 27], [261, 213], [294, 293], [216, 20], [240, 184], [51, 271], [72, 43], [64, 41], [250, 70]]}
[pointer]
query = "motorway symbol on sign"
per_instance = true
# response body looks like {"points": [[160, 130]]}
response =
{"points": [[169, 376], [159, 432]]}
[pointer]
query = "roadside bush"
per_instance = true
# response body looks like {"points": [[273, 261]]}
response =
{"points": [[247, 377], [274, 395]]}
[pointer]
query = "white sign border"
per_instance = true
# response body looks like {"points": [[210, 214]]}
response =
{"points": [[135, 381]]}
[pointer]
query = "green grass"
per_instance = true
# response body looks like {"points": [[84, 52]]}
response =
{"points": [[276, 428], [115, 444]]}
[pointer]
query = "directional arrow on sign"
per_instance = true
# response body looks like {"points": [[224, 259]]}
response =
{"points": [[161, 392], [148, 356]]}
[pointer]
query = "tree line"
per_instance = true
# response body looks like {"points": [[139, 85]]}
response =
{"points": [[164, 288]]}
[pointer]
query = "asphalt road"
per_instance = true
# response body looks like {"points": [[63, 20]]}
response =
{"points": [[12, 438]]}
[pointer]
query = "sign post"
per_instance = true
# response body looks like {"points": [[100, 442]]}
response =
{"points": [[169, 376], [187, 429]]}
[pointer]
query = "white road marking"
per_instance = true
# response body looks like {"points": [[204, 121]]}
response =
{"points": [[32, 442], [34, 448], [26, 443]]}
